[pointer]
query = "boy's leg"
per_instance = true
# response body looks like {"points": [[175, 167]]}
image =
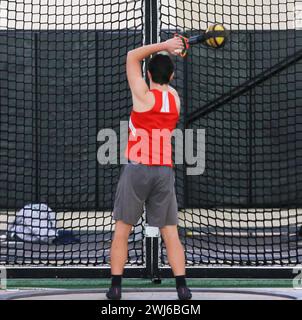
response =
{"points": [[176, 258], [118, 258], [175, 250], [119, 247]]}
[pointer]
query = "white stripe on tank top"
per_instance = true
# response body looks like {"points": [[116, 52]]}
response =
{"points": [[165, 106]]}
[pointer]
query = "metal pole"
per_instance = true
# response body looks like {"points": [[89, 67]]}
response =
{"points": [[245, 87]]}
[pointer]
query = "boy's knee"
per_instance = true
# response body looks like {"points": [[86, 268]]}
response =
{"points": [[169, 232]]}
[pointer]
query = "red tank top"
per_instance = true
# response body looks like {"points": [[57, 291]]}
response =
{"points": [[149, 140]]}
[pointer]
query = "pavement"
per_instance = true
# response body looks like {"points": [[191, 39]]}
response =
{"points": [[153, 294]]}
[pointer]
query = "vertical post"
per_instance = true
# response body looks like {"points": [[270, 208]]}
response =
{"points": [[147, 27], [154, 26], [250, 122], [251, 127], [147, 40], [184, 110], [149, 266], [147, 33], [151, 233], [155, 37], [37, 118], [97, 116]]}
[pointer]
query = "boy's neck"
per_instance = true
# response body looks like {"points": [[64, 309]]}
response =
{"points": [[164, 87]]}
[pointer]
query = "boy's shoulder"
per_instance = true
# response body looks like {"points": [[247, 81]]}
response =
{"points": [[175, 94], [173, 90]]}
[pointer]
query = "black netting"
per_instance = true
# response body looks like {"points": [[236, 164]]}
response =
{"points": [[245, 208], [62, 80], [62, 66]]}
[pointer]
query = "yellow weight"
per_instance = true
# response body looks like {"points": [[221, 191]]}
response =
{"points": [[216, 42]]}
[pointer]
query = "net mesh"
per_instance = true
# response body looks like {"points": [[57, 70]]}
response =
{"points": [[62, 80], [244, 208]]}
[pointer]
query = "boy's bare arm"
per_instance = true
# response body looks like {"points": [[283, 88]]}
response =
{"points": [[135, 78]]}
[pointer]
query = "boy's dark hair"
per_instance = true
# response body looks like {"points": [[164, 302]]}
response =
{"points": [[161, 68]]}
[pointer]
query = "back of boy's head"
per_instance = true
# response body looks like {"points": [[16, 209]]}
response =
{"points": [[161, 68]]}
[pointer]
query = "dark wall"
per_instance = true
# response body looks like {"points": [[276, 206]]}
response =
{"points": [[59, 88], [17, 118], [253, 144]]}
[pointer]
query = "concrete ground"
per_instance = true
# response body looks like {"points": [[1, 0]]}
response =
{"points": [[152, 294]]}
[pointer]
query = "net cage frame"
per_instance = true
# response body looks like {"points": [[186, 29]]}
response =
{"points": [[155, 28]]}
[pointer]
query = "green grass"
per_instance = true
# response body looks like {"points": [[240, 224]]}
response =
{"points": [[146, 283]]}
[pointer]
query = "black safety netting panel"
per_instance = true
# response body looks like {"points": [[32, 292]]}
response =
{"points": [[245, 208], [62, 80]]}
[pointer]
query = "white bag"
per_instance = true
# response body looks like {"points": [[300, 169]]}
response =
{"points": [[34, 223]]}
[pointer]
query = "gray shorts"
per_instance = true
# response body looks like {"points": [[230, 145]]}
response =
{"points": [[150, 185]]}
